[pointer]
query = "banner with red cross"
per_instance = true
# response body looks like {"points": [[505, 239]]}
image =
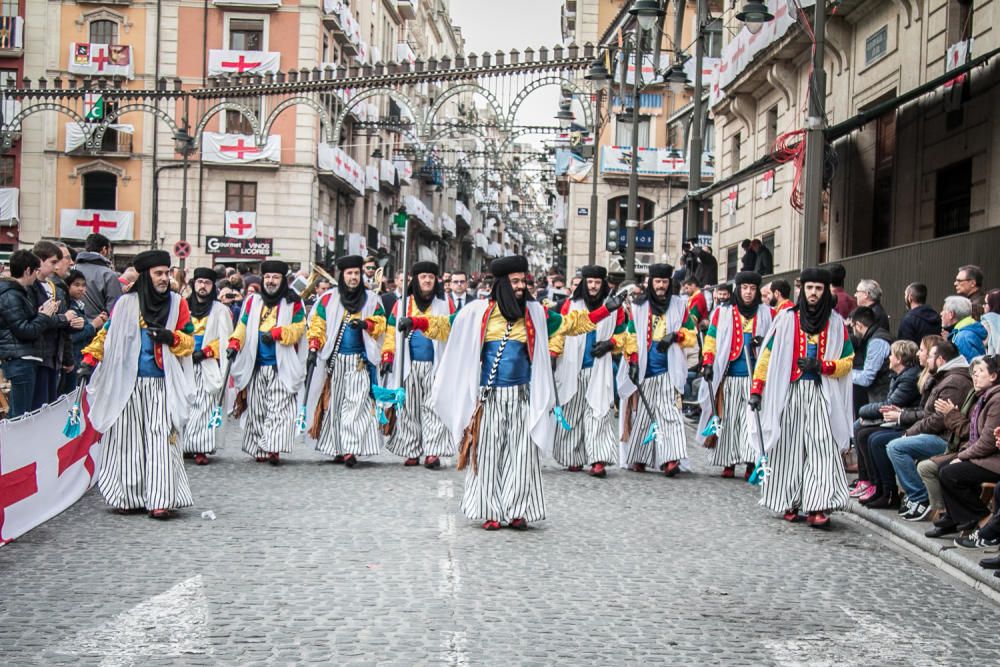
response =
{"points": [[221, 61], [100, 59], [241, 224], [238, 148], [43, 472], [79, 223]]}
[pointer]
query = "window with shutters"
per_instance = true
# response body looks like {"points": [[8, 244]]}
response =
{"points": [[7, 166], [103, 32], [241, 196], [246, 34]]}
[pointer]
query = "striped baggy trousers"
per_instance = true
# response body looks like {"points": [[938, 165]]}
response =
{"points": [[198, 438], [807, 472], [507, 481], [736, 445], [591, 439], [350, 426], [140, 467], [670, 443], [270, 425], [419, 431]]}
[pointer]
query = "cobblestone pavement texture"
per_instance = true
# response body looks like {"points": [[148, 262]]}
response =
{"points": [[313, 562]]}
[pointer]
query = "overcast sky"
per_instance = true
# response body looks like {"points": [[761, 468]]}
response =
{"points": [[489, 25]]}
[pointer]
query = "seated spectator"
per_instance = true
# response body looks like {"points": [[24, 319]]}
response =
{"points": [[968, 335], [920, 319], [895, 454], [903, 392], [991, 321], [969, 283], [22, 326], [869, 293], [76, 284], [991, 530], [979, 462], [870, 373]]}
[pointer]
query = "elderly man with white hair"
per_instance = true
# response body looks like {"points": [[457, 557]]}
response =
{"points": [[869, 293], [964, 332]]}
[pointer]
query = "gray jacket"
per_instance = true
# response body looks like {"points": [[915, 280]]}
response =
{"points": [[103, 288]]}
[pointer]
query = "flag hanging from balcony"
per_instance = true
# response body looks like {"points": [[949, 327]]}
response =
{"points": [[222, 61], [93, 106], [241, 224], [11, 32], [79, 223], [100, 59], [238, 148]]}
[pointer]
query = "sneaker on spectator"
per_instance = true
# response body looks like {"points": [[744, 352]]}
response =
{"points": [[859, 488], [904, 506], [868, 494], [918, 512], [974, 541]]}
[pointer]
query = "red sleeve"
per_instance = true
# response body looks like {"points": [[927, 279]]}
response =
{"points": [[564, 309], [183, 316]]}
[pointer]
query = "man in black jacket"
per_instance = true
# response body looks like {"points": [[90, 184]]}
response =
{"points": [[920, 319], [870, 369], [54, 345], [22, 325]]}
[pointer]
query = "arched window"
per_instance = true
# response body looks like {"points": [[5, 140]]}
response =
{"points": [[100, 191], [103, 32]]}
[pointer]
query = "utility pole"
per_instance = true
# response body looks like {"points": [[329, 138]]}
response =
{"points": [[592, 248], [695, 145], [632, 216], [815, 144]]}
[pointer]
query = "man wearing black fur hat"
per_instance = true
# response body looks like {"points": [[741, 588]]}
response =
{"points": [[732, 343], [585, 378], [142, 388], [268, 363], [345, 341], [424, 328], [658, 328], [494, 384], [802, 389], [213, 325]]}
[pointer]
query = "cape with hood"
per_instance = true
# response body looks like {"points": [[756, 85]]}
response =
{"points": [[291, 358]]}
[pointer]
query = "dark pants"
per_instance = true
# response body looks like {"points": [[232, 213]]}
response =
{"points": [[21, 374], [960, 483], [46, 386], [866, 469], [991, 531], [883, 474]]}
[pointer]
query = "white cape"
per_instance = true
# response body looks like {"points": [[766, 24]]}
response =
{"points": [[219, 327], [439, 308], [600, 391], [291, 358]]}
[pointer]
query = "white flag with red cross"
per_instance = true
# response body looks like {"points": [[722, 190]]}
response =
{"points": [[79, 223], [100, 59], [221, 61], [241, 224], [238, 148]]}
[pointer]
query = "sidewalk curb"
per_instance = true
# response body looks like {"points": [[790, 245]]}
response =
{"points": [[941, 555]]}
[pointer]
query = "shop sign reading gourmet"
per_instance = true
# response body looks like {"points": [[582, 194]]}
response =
{"points": [[224, 246]]}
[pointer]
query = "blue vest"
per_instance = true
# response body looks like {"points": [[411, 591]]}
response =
{"points": [[588, 349], [811, 351], [352, 341], [656, 362], [267, 354], [198, 340], [738, 366], [147, 360], [421, 347], [515, 367]]}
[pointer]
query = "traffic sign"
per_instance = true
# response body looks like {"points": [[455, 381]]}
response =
{"points": [[182, 249]]}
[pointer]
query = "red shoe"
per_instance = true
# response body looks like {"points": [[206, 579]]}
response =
{"points": [[574, 469], [339, 458], [638, 467], [818, 520], [274, 458], [432, 462], [598, 470], [749, 471], [350, 460], [729, 472], [412, 461], [159, 514], [491, 525], [260, 459], [671, 468], [519, 524], [201, 459], [792, 515]]}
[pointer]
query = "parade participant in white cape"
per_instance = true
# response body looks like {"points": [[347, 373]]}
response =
{"points": [[142, 387], [802, 389], [585, 377], [213, 325], [268, 364], [658, 329], [345, 341], [494, 384], [734, 335], [425, 328]]}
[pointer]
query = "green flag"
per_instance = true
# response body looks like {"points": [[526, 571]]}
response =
{"points": [[96, 112]]}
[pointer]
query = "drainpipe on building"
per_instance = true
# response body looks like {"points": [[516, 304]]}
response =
{"points": [[155, 222]]}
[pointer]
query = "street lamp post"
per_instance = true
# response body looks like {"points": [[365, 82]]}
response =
{"points": [[184, 144], [598, 74], [695, 144]]}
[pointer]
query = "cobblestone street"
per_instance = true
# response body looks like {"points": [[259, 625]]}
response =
{"points": [[376, 565]]}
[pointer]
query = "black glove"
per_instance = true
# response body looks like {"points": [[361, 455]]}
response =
{"points": [[664, 343], [601, 347], [267, 338], [356, 324], [84, 372], [231, 353], [757, 340], [633, 373], [810, 365], [754, 402], [311, 359], [404, 325], [197, 356], [385, 368], [161, 335], [707, 372], [614, 302]]}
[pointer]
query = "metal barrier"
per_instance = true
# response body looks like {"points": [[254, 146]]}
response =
{"points": [[934, 263]]}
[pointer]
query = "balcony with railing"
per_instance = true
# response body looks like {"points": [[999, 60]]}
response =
{"points": [[407, 8], [11, 36]]}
